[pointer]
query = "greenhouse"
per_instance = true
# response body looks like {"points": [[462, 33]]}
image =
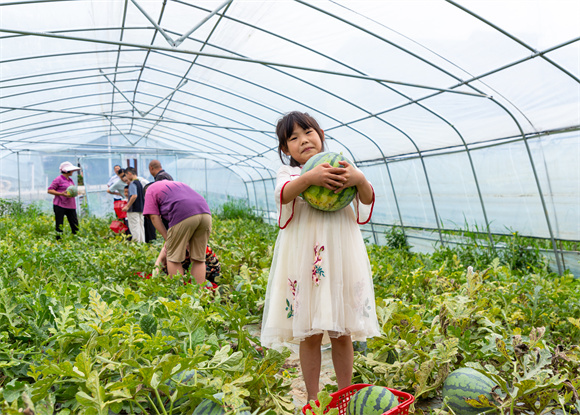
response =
{"points": [[464, 116]]}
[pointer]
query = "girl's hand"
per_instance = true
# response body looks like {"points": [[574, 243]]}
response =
{"points": [[351, 176], [327, 176], [355, 177], [65, 194]]}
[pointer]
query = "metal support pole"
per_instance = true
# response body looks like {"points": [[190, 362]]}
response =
{"points": [[176, 167], [247, 193], [374, 233], [197, 26], [120, 92], [18, 169], [80, 161], [154, 23], [239, 59], [544, 207], [255, 195], [266, 197], [205, 171]]}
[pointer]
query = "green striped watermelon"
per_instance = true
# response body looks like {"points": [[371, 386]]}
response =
{"points": [[466, 383], [320, 197], [208, 407], [72, 190], [371, 400]]}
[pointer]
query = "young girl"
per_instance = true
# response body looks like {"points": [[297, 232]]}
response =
{"points": [[320, 280]]}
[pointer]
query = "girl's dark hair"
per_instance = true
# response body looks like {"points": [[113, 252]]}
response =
{"points": [[285, 128]]}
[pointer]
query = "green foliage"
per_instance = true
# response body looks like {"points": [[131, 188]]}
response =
{"points": [[437, 316], [320, 406], [81, 333], [17, 209], [519, 253], [397, 239], [237, 209]]}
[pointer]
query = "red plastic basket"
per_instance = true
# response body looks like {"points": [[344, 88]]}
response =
{"points": [[340, 400], [118, 205], [118, 226]]}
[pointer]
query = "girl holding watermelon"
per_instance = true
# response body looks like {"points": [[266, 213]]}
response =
{"points": [[320, 284]]}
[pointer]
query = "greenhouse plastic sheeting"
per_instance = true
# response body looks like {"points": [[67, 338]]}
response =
{"points": [[461, 113]]}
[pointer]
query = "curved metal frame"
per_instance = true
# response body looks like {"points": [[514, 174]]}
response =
{"points": [[384, 82]]}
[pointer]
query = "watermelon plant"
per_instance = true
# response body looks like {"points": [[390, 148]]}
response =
{"points": [[81, 333], [320, 197]]}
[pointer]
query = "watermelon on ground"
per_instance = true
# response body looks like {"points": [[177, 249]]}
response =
{"points": [[320, 197], [182, 383], [466, 383], [72, 190], [209, 407], [371, 400]]}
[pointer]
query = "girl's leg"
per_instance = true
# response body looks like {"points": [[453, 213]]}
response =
{"points": [[310, 358], [342, 359]]}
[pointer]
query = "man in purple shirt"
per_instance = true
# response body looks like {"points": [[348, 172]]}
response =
{"points": [[64, 204], [189, 220]]}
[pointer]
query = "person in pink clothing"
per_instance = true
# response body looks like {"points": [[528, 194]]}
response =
{"points": [[189, 219], [64, 204]]}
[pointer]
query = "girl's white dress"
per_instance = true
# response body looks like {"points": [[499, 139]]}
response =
{"points": [[320, 279]]}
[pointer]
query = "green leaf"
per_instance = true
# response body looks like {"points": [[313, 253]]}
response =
{"points": [[12, 390], [154, 380], [148, 324], [501, 346], [320, 408]]}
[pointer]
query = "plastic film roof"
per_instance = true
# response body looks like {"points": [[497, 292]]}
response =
{"points": [[383, 78]]}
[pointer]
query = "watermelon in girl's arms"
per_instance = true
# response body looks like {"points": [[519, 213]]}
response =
{"points": [[320, 197], [372, 400]]}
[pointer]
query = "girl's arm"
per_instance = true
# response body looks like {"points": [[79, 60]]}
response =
{"points": [[322, 175], [355, 177]]}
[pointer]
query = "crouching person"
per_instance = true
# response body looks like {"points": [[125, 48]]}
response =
{"points": [[189, 224], [212, 266]]}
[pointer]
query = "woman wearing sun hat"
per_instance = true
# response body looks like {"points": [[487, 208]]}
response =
{"points": [[64, 204]]}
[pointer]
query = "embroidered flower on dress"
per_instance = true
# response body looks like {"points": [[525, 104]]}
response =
{"points": [[292, 285], [289, 309], [366, 308], [317, 270]]}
